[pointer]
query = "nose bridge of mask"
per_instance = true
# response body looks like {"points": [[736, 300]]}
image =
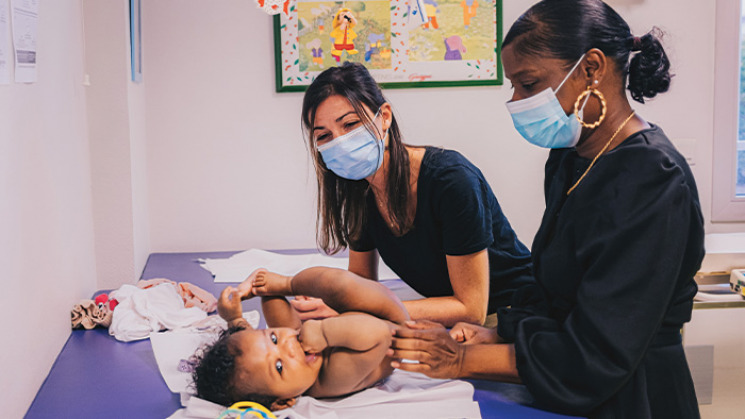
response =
{"points": [[340, 139], [351, 134]]}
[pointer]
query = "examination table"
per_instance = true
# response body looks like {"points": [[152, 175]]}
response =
{"points": [[97, 376]]}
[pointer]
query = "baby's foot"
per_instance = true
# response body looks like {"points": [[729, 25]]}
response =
{"points": [[245, 288], [270, 283]]}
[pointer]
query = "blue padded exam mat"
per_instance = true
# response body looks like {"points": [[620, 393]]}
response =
{"points": [[97, 376]]}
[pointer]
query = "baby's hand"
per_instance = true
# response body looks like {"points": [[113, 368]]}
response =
{"points": [[229, 304], [312, 338], [270, 283]]}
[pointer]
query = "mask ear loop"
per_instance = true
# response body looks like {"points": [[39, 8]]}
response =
{"points": [[381, 141], [570, 73]]}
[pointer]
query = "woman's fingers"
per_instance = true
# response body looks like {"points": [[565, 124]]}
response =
{"points": [[411, 343], [410, 355], [458, 335], [423, 324], [423, 334], [407, 366], [304, 305], [433, 347]]}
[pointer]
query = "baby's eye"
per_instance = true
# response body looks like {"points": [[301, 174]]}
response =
{"points": [[274, 338], [278, 366]]}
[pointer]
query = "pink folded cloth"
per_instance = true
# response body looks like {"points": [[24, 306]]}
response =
{"points": [[196, 297], [192, 295], [88, 314]]}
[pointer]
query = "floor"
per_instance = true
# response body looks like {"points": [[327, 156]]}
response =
{"points": [[728, 400], [722, 329]]}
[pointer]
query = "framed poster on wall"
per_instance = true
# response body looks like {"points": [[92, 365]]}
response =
{"points": [[404, 43]]}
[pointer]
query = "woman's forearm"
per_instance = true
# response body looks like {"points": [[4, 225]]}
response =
{"points": [[495, 362], [445, 310]]}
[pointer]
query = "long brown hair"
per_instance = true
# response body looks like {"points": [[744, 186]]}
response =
{"points": [[342, 203]]}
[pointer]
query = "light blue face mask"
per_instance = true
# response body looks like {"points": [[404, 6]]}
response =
{"points": [[541, 120], [354, 155]]}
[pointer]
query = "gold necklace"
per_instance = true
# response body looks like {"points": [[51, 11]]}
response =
{"points": [[601, 152]]}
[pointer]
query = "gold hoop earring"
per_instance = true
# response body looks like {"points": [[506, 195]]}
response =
{"points": [[603, 104]]}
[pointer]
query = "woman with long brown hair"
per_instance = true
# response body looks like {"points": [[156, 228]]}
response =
{"points": [[427, 212]]}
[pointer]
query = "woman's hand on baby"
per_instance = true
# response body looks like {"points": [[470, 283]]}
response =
{"points": [[470, 334], [229, 304], [312, 308], [430, 344], [312, 338]]}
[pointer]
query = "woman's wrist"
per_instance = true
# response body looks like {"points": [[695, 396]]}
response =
{"points": [[323, 331], [490, 362], [288, 285]]}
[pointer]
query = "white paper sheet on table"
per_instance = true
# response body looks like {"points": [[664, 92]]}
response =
{"points": [[237, 267], [403, 395], [170, 348]]}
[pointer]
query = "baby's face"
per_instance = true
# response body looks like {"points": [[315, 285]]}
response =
{"points": [[273, 362]]}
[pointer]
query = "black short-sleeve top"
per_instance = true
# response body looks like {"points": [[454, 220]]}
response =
{"points": [[456, 214]]}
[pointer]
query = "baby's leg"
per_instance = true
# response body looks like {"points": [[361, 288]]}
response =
{"points": [[270, 283]]}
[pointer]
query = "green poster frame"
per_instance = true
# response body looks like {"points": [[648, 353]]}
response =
{"points": [[281, 78]]}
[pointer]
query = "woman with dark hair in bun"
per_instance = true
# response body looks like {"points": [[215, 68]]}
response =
{"points": [[620, 240]]}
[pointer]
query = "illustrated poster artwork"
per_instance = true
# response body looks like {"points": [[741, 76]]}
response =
{"points": [[404, 43]]}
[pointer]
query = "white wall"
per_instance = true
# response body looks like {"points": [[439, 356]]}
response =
{"points": [[227, 164], [116, 110], [46, 228]]}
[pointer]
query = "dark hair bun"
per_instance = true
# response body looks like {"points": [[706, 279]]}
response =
{"points": [[649, 70]]}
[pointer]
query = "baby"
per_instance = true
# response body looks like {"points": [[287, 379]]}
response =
{"points": [[332, 357]]}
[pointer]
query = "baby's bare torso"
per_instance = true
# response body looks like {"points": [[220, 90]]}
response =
{"points": [[345, 371]]}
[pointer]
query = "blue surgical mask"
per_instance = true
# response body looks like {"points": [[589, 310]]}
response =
{"points": [[354, 155], [541, 120]]}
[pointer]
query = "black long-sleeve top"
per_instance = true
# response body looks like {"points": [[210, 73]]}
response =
{"points": [[599, 335]]}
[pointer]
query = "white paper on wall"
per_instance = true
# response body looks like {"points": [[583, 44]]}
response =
{"points": [[4, 55], [25, 19]]}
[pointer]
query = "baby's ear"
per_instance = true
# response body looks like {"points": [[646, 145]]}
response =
{"points": [[280, 404]]}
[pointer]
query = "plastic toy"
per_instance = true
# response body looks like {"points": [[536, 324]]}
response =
{"points": [[247, 410]]}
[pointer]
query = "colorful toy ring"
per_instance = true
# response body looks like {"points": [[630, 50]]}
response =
{"points": [[246, 410]]}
